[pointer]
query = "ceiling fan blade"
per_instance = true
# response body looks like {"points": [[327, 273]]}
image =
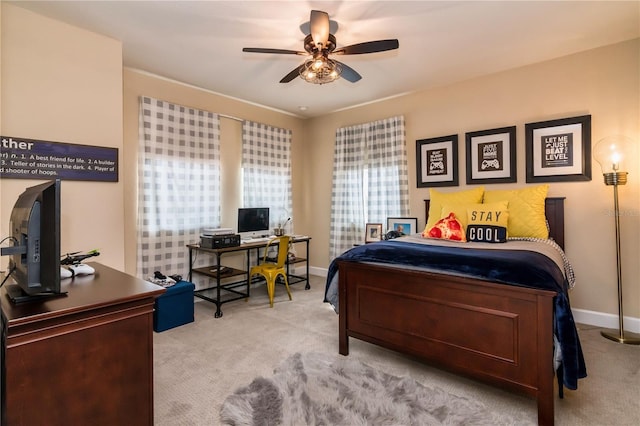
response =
{"points": [[319, 23], [368, 47], [349, 73], [267, 50], [292, 75], [305, 27]]}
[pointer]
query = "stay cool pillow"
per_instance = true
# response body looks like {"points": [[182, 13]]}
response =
{"points": [[487, 223]]}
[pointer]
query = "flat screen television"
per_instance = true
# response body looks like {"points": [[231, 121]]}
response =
{"points": [[34, 260], [253, 219]]}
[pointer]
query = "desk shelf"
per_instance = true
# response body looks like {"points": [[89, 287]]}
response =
{"points": [[211, 294], [296, 260], [212, 271], [290, 260]]}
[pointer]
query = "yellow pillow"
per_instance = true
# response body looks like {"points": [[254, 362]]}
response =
{"points": [[439, 199], [487, 222], [526, 210]]}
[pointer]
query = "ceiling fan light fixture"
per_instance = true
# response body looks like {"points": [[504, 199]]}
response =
{"points": [[320, 70], [318, 63], [319, 44]]}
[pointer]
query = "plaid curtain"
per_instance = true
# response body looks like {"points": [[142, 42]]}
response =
{"points": [[370, 180], [178, 183], [266, 170]]}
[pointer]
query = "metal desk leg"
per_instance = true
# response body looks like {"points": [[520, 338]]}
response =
{"points": [[218, 313], [287, 263], [307, 286], [248, 276], [190, 264]]}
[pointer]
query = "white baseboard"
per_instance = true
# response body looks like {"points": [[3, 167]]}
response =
{"points": [[320, 272], [582, 316], [604, 320]]}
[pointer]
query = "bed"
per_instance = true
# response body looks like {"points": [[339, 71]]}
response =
{"points": [[482, 326]]}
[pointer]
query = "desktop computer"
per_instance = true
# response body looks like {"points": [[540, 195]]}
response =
{"points": [[219, 241]]}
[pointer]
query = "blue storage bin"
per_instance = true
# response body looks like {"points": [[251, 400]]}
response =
{"points": [[174, 307]]}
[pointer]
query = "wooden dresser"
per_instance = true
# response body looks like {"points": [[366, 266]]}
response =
{"points": [[86, 358]]}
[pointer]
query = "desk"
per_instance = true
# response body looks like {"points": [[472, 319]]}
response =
{"points": [[239, 289], [86, 358]]}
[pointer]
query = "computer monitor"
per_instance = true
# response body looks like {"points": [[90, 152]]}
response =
{"points": [[253, 220]]}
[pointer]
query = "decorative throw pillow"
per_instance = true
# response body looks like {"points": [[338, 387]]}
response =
{"points": [[459, 209], [448, 228], [439, 199], [526, 210], [487, 223]]}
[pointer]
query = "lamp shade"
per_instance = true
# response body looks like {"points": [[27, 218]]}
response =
{"points": [[614, 153]]}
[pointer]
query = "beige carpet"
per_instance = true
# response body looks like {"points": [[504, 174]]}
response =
{"points": [[199, 364]]}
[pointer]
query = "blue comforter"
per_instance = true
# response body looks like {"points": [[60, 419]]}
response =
{"points": [[514, 267]]}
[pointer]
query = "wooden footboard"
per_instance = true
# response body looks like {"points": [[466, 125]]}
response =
{"points": [[497, 333]]}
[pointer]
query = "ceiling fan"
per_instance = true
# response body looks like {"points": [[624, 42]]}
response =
{"points": [[319, 44]]}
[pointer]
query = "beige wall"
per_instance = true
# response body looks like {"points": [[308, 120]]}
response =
{"points": [[602, 82], [64, 84]]}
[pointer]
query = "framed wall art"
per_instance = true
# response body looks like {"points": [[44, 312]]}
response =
{"points": [[559, 150], [491, 156], [437, 161], [404, 225], [373, 232]]}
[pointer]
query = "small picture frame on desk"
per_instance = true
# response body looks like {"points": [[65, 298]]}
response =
{"points": [[373, 232]]}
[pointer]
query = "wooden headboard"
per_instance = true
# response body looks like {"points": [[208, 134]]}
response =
{"points": [[554, 210]]}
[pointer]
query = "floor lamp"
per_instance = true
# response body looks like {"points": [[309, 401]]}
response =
{"points": [[611, 153]]}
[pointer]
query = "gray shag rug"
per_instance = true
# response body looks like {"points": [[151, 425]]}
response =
{"points": [[315, 389]]}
